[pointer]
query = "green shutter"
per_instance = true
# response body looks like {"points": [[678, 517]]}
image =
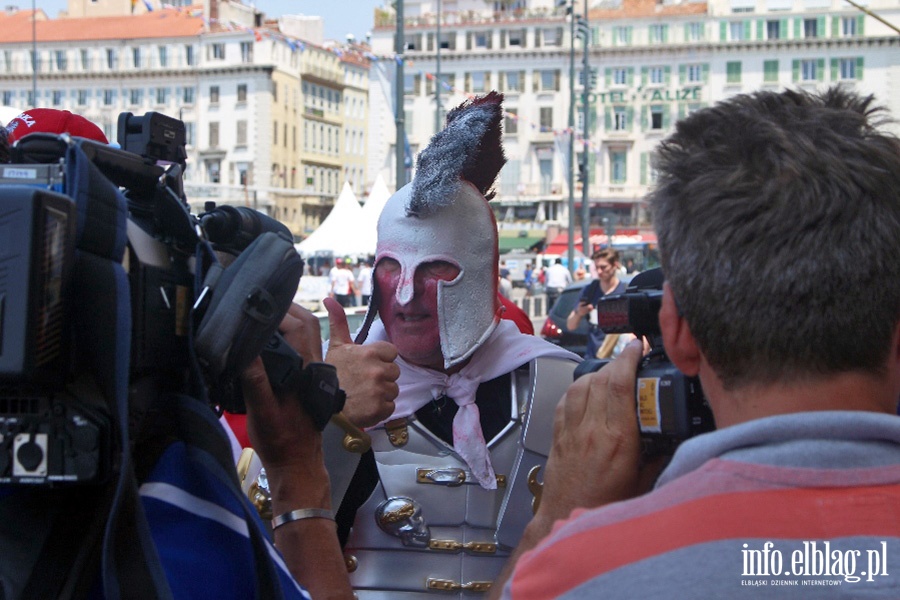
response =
{"points": [[859, 68], [667, 74], [835, 26], [592, 119], [798, 23], [645, 121], [687, 31], [629, 118], [795, 70], [704, 76], [608, 78], [783, 29], [859, 24], [682, 110], [644, 160], [682, 74], [667, 116], [834, 69], [760, 25], [820, 69], [608, 118], [723, 31], [665, 34], [630, 78], [820, 27], [747, 30], [644, 71]]}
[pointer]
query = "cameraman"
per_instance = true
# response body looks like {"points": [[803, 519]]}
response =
{"points": [[802, 192]]}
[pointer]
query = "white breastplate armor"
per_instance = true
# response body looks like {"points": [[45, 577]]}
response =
{"points": [[429, 528]]}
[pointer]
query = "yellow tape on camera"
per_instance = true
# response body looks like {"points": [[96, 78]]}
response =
{"points": [[648, 404]]}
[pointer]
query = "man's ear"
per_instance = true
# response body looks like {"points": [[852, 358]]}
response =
{"points": [[678, 340]]}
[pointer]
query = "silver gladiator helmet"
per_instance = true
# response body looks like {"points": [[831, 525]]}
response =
{"points": [[443, 215]]}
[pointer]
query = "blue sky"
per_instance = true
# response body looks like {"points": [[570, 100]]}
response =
{"points": [[341, 16]]}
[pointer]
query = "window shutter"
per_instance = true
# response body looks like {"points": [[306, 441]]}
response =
{"points": [[644, 71], [628, 35], [783, 28], [760, 25], [705, 72], [629, 116], [859, 24], [667, 74], [644, 160], [834, 69], [820, 27], [608, 78], [645, 118], [795, 70], [630, 79], [468, 40], [682, 74], [820, 69], [607, 121], [665, 34], [723, 31], [835, 26], [859, 68], [798, 23]]}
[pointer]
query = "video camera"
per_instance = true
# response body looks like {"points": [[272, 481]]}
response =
{"points": [[671, 406], [196, 323]]}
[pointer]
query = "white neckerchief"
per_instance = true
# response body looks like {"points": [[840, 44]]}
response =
{"points": [[506, 349]]}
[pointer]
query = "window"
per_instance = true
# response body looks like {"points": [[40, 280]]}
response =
{"points": [[216, 51], [770, 71], [162, 95], [617, 171], [135, 96], [241, 133], [513, 81], [733, 72], [736, 31], [481, 39], [187, 95], [85, 59], [478, 81], [83, 97], [213, 94], [621, 35], [848, 26], [850, 68], [551, 37], [410, 84], [112, 59], [57, 98], [694, 73], [511, 121], [656, 75], [242, 92], [7, 98], [808, 71], [515, 37], [548, 80], [810, 28], [213, 167], [62, 62], [546, 118], [658, 34], [694, 32], [773, 30], [189, 133], [109, 97], [163, 54], [246, 52], [136, 58], [620, 118], [214, 134], [620, 76], [275, 133], [189, 56], [656, 117]]}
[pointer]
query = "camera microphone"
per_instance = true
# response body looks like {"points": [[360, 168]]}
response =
{"points": [[237, 226]]}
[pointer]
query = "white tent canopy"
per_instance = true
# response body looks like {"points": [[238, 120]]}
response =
{"points": [[343, 232], [371, 210]]}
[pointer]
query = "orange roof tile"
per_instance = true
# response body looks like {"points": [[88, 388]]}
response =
{"points": [[16, 27]]}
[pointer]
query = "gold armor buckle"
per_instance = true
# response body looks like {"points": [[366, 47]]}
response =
{"points": [[471, 547], [401, 514], [451, 477], [397, 432], [446, 585]]}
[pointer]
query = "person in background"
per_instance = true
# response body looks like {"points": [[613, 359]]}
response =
{"points": [[364, 281], [505, 287], [606, 262], [528, 278], [342, 287], [802, 377], [557, 278]]}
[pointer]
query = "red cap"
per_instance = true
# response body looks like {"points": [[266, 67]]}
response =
{"points": [[50, 120]]}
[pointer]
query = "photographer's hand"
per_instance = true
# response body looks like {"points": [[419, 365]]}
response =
{"points": [[368, 374], [290, 448], [595, 457]]}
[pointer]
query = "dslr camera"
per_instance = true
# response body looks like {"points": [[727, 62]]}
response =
{"points": [[671, 406]]}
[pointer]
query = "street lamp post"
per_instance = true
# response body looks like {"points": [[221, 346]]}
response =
{"points": [[571, 173]]}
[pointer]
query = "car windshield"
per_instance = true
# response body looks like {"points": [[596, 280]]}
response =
{"points": [[566, 303]]}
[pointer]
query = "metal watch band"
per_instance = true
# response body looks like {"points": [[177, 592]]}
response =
{"points": [[302, 513]]}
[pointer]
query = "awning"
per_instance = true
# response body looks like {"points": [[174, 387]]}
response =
{"points": [[509, 243], [560, 244]]}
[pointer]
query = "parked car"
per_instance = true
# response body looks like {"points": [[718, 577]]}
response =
{"points": [[355, 317], [555, 330]]}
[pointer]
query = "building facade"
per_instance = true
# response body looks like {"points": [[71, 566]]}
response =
{"points": [[247, 93], [649, 63]]}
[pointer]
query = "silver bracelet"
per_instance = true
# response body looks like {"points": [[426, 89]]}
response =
{"points": [[301, 513]]}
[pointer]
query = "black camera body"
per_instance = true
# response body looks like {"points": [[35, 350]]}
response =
{"points": [[670, 405]]}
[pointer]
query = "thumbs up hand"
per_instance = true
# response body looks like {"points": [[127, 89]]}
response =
{"points": [[367, 374]]}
